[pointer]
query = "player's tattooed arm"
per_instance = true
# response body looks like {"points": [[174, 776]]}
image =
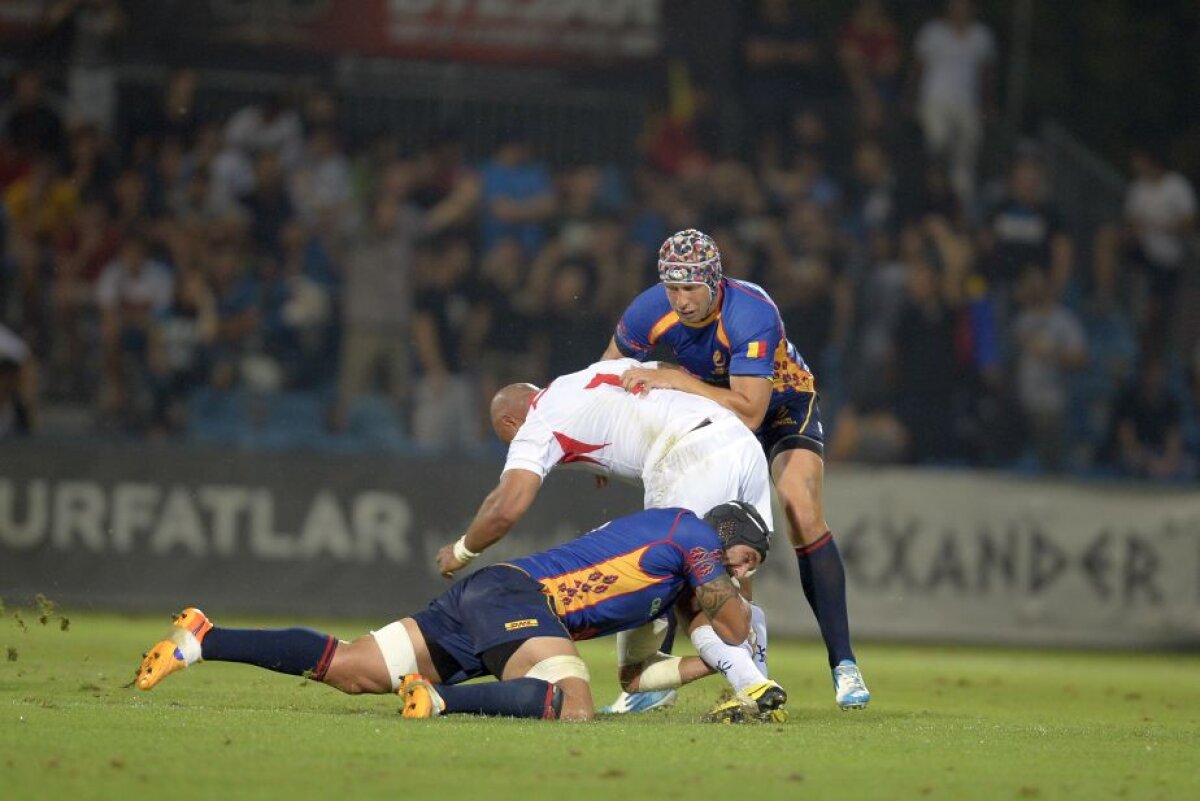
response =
{"points": [[726, 610], [715, 594]]}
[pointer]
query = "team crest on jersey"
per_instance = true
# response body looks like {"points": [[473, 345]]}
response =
{"points": [[719, 366], [702, 562]]}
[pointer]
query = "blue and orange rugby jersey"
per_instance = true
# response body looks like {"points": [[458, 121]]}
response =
{"points": [[627, 572]]}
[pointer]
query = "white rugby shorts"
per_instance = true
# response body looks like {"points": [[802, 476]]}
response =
{"points": [[722, 461]]}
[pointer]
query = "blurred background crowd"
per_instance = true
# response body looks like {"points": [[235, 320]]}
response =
{"points": [[273, 268]]}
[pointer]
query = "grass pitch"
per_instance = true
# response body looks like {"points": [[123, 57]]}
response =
{"points": [[944, 723]]}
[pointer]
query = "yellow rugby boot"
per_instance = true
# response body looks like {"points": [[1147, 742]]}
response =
{"points": [[762, 702], [419, 698], [180, 648]]}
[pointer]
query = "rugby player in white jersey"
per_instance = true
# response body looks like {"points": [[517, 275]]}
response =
{"points": [[686, 451]]}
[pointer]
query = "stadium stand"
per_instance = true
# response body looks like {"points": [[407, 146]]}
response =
{"points": [[900, 267]]}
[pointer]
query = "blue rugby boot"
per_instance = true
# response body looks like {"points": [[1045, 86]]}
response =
{"points": [[631, 703], [852, 692]]}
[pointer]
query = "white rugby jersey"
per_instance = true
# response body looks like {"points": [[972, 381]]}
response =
{"points": [[588, 420]]}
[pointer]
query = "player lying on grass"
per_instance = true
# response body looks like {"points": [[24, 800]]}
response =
{"points": [[685, 450], [516, 621]]}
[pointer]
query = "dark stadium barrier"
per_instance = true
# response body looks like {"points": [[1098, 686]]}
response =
{"points": [[150, 528], [953, 556]]}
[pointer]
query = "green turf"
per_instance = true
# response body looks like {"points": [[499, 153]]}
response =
{"points": [[945, 723]]}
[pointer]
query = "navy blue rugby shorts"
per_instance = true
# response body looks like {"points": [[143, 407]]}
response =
{"points": [[492, 608]]}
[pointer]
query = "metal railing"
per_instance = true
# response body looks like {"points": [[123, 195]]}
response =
{"points": [[1087, 189]]}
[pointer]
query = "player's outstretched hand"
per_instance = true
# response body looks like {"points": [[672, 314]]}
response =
{"points": [[448, 564]]}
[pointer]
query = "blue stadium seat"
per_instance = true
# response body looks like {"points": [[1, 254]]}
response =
{"points": [[286, 420], [375, 422], [216, 417]]}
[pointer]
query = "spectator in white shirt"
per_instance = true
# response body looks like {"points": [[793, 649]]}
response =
{"points": [[320, 185], [1050, 342], [132, 289], [268, 127], [955, 56], [230, 178], [1160, 209], [1160, 212], [1159, 220]]}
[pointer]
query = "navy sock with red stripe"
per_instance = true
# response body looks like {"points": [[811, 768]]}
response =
{"points": [[517, 698], [297, 651], [823, 577]]}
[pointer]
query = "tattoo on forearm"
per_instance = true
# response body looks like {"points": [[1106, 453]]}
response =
{"points": [[713, 595]]}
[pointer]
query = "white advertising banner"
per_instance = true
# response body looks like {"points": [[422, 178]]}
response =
{"points": [[975, 557]]}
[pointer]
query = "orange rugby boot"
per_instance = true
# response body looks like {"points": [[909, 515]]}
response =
{"points": [[180, 648], [420, 699]]}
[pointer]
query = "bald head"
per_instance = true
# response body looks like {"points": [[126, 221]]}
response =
{"points": [[509, 408]]}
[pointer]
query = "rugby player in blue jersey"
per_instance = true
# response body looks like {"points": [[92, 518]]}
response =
{"points": [[516, 621], [729, 341]]}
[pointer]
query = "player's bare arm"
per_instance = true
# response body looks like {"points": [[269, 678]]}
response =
{"points": [[747, 396], [612, 351], [499, 512], [726, 609]]}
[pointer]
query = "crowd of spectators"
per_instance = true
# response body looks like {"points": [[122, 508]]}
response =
{"points": [[156, 268]]}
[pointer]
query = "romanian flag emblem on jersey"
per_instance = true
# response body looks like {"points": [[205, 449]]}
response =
{"points": [[756, 350]]}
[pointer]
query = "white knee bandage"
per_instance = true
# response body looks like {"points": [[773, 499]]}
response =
{"points": [[556, 668], [636, 646], [660, 672], [397, 649]]}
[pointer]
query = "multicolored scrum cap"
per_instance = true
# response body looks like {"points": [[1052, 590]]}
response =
{"points": [[690, 257]]}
